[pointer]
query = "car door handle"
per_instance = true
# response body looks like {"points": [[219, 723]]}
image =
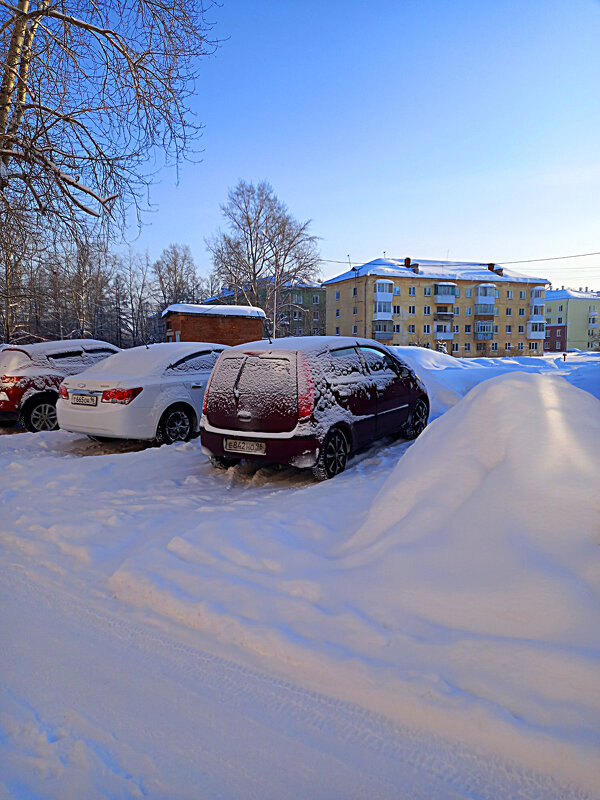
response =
{"points": [[197, 386]]}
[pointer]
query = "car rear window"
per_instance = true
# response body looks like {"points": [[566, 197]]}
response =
{"points": [[11, 360], [204, 360]]}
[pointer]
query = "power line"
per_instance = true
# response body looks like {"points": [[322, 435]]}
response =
{"points": [[553, 258]]}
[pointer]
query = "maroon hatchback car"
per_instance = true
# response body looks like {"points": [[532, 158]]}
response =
{"points": [[308, 402]]}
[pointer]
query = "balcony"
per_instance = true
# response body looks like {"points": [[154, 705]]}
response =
{"points": [[445, 336], [444, 316], [481, 336], [379, 315], [484, 308], [444, 293], [383, 336], [386, 297], [536, 330], [444, 299]]}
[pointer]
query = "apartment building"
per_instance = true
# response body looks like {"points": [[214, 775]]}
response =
{"points": [[572, 320], [474, 309]]}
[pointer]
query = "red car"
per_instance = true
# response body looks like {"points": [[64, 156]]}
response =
{"points": [[30, 375], [308, 402]]}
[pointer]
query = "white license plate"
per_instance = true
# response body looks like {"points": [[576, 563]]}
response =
{"points": [[84, 400], [244, 446]]}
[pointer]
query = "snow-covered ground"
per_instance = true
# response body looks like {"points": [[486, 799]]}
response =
{"points": [[424, 625]]}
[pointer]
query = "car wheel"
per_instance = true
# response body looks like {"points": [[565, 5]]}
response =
{"points": [[222, 462], [332, 456], [417, 421], [39, 414], [176, 425]]}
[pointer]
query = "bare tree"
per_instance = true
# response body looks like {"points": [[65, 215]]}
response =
{"points": [[87, 91], [176, 278], [265, 249]]}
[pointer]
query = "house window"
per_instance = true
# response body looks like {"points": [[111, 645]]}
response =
{"points": [[469, 312], [495, 329], [455, 347], [467, 345], [396, 328], [507, 346], [337, 312], [456, 291], [411, 310], [533, 345], [456, 329], [509, 312], [426, 328], [427, 310], [559, 320], [467, 329], [355, 329], [412, 290], [509, 294], [337, 331], [411, 329], [316, 299], [396, 309], [509, 328], [354, 291], [427, 291], [521, 346], [494, 347], [521, 312], [521, 328], [396, 290], [560, 308], [480, 346], [300, 331], [558, 333], [337, 295], [522, 295], [469, 293], [537, 293], [558, 346], [457, 311], [315, 316], [354, 311]]}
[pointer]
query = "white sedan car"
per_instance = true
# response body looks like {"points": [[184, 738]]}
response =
{"points": [[148, 392]]}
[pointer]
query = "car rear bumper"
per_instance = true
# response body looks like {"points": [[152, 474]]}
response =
{"points": [[9, 416], [298, 451], [108, 419]]}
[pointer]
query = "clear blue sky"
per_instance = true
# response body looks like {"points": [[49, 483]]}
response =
{"points": [[467, 129]]}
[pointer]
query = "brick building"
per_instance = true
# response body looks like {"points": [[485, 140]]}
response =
{"points": [[473, 309], [221, 324]]}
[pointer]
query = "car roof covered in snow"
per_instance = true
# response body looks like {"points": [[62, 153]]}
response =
{"points": [[217, 310], [149, 360], [308, 343], [60, 346]]}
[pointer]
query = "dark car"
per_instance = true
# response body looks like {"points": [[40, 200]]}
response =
{"points": [[30, 375], [308, 402]]}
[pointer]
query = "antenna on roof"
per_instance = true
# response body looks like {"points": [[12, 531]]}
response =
{"points": [[384, 253], [349, 262]]}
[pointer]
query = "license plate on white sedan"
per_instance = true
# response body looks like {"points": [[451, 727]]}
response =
{"points": [[84, 400], [244, 446]]}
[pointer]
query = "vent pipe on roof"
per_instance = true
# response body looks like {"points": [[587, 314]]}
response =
{"points": [[407, 262], [492, 267], [409, 265], [580, 289], [563, 288], [586, 288]]}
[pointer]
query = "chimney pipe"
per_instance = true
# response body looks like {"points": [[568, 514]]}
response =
{"points": [[407, 262]]}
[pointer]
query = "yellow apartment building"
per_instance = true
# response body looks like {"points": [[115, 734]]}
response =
{"points": [[475, 309], [572, 320]]}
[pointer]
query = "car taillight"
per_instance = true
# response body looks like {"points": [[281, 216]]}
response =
{"points": [[122, 396], [62, 392], [205, 401], [306, 389], [8, 380]]}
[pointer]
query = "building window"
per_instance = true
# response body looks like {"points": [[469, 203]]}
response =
{"points": [[315, 316], [469, 293], [354, 311], [300, 331], [533, 345], [467, 329], [559, 320], [411, 310], [427, 291], [509, 328], [521, 312], [315, 332], [411, 329], [468, 312], [507, 346], [354, 291], [396, 309], [495, 329], [521, 346], [355, 329], [382, 307], [316, 299], [509, 294], [455, 347], [537, 293], [412, 290], [396, 328], [396, 290], [427, 310], [456, 329], [297, 298], [558, 346], [494, 347], [558, 333], [337, 331], [521, 328], [337, 295], [426, 328], [509, 312], [456, 291], [560, 308], [457, 311], [522, 295], [337, 312], [467, 345]]}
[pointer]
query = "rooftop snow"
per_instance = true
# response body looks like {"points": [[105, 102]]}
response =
{"points": [[570, 294], [219, 310], [436, 270]]}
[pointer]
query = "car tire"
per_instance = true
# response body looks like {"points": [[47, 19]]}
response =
{"points": [[417, 421], [223, 462], [176, 425], [39, 413], [333, 455]]}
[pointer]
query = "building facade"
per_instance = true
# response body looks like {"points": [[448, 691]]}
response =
{"points": [[572, 320], [468, 309]]}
